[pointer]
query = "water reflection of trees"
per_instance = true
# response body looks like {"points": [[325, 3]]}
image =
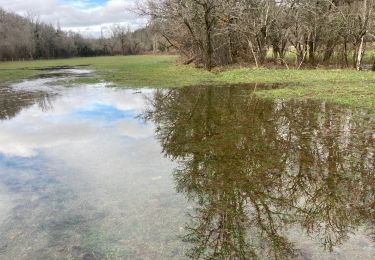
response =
{"points": [[256, 167], [13, 102]]}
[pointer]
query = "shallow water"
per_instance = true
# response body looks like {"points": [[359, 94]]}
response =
{"points": [[97, 172]]}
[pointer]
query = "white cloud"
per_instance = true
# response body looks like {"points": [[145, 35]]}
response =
{"points": [[82, 16]]}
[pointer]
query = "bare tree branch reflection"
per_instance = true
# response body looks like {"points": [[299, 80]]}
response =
{"points": [[256, 168], [13, 102]]}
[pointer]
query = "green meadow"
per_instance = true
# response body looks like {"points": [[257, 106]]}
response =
{"points": [[341, 86]]}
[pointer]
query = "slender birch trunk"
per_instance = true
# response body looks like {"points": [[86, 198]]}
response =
{"points": [[361, 49]]}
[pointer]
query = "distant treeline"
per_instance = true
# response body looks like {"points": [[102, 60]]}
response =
{"points": [[28, 38], [220, 32]]}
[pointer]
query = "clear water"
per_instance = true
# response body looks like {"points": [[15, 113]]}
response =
{"points": [[97, 172]]}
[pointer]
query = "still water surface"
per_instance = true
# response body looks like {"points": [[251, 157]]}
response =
{"points": [[98, 172]]}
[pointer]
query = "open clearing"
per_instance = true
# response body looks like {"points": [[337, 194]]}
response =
{"points": [[341, 86]]}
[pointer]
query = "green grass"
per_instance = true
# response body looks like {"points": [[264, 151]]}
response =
{"points": [[344, 86], [129, 71]]}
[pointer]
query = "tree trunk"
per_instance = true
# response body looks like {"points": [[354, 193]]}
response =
{"points": [[209, 48], [365, 19], [360, 54], [253, 53], [346, 53], [276, 52], [311, 45]]}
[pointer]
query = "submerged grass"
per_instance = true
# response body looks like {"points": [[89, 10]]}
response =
{"points": [[342, 86]]}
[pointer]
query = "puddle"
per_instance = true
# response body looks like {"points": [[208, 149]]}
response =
{"points": [[97, 172], [63, 67], [272, 179]]}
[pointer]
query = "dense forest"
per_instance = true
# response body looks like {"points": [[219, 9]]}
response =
{"points": [[287, 32], [28, 38]]}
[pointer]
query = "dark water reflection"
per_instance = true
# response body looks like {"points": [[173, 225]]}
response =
{"points": [[86, 173], [12, 102], [257, 169]]}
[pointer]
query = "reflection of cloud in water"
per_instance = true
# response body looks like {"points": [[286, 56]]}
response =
{"points": [[87, 176], [6, 203], [84, 183], [134, 129], [77, 116], [72, 71]]}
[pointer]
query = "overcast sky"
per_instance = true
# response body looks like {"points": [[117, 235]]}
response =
{"points": [[84, 16]]}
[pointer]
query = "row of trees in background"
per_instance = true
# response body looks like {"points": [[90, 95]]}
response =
{"points": [[28, 38], [221, 32]]}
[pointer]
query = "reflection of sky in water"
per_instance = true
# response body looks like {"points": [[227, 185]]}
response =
{"points": [[77, 116], [86, 175], [104, 112]]}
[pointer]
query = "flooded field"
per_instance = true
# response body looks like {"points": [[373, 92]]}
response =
{"points": [[99, 172]]}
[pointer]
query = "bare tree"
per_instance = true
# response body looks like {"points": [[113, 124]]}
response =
{"points": [[214, 33]]}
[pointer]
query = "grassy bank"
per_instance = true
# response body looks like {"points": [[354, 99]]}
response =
{"points": [[339, 86]]}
